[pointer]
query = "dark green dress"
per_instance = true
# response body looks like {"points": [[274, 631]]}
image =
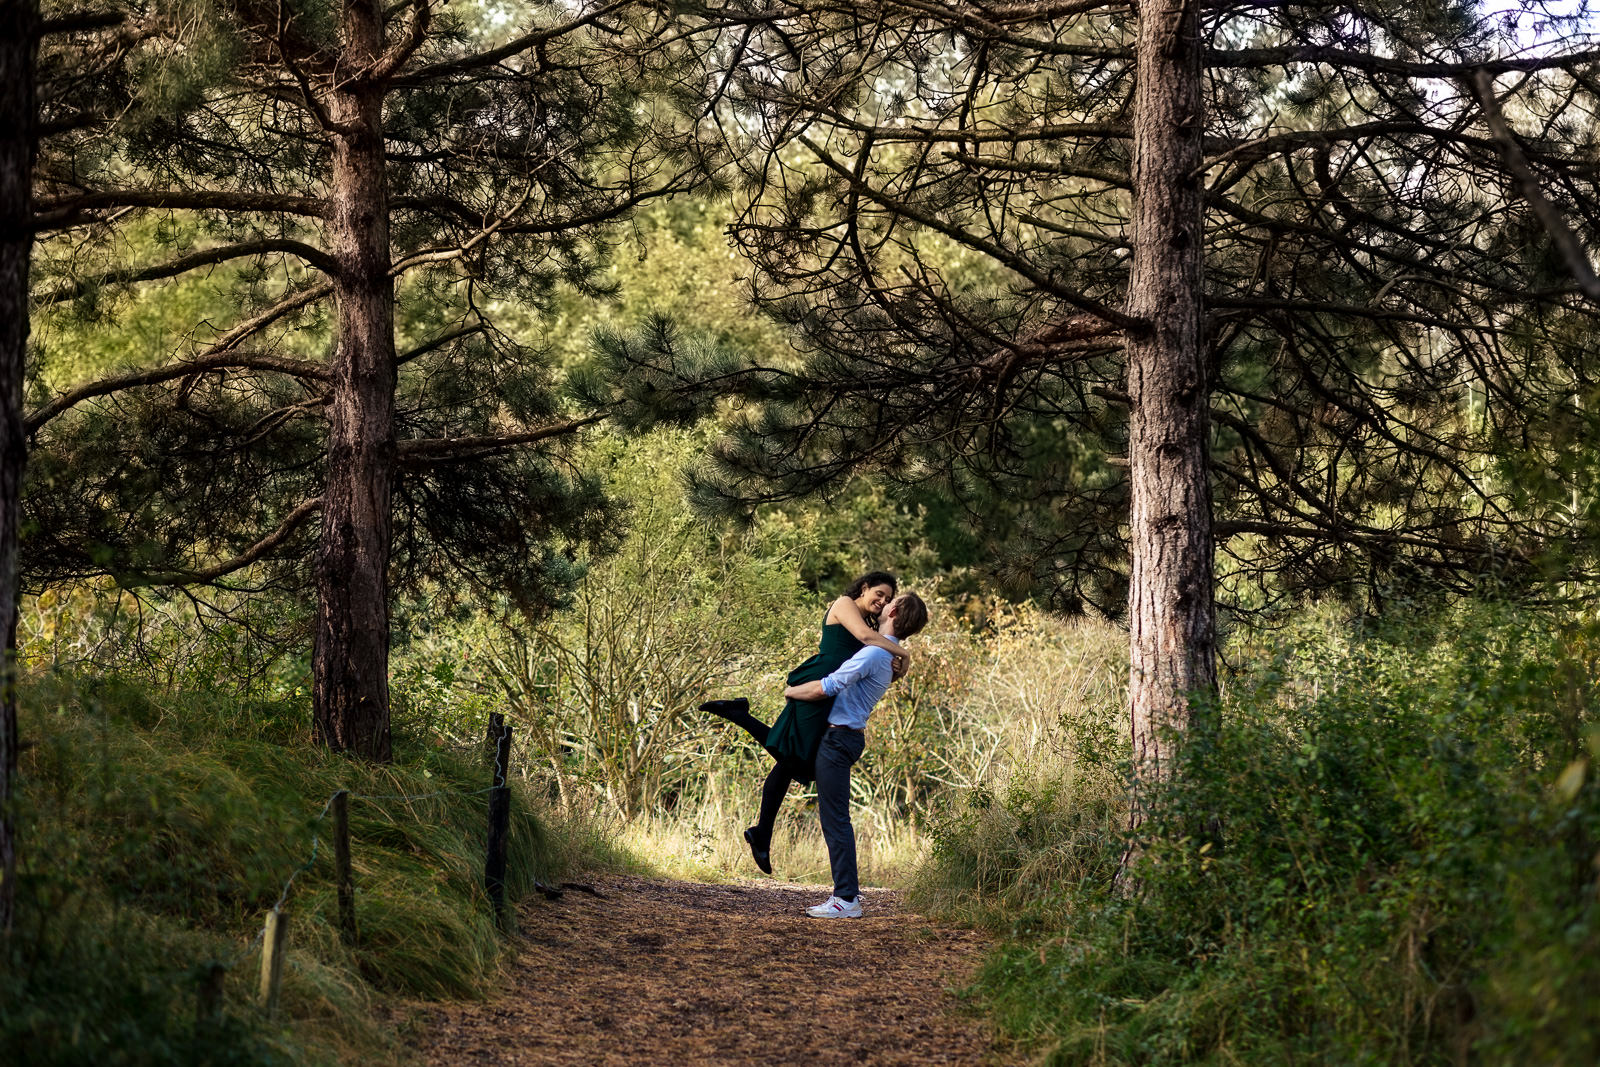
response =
{"points": [[794, 738]]}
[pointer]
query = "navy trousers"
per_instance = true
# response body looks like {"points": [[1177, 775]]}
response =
{"points": [[837, 754]]}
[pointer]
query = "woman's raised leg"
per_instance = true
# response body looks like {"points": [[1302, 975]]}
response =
{"points": [[737, 711]]}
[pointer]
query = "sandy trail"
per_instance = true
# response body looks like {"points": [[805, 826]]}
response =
{"points": [[677, 972]]}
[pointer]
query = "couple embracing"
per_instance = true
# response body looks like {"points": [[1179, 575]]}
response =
{"points": [[822, 730]]}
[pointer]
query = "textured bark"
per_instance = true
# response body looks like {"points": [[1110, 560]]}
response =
{"points": [[18, 47], [1171, 609], [350, 655]]}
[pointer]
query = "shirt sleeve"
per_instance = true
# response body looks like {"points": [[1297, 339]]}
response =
{"points": [[853, 670]]}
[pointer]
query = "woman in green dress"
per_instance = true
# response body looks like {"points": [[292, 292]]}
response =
{"points": [[792, 741]]}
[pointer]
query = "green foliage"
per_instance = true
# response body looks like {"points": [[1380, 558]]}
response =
{"points": [[159, 481], [1007, 850], [1383, 852], [603, 696], [160, 826], [675, 262], [606, 693]]}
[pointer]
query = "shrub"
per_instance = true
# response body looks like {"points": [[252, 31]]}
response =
{"points": [[1382, 851]]}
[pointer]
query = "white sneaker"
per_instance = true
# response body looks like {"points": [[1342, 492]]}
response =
{"points": [[834, 908]]}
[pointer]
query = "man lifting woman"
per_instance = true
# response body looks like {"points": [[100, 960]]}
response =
{"points": [[821, 732]]}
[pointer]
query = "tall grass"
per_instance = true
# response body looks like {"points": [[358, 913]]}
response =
{"points": [[992, 700], [1045, 809], [157, 829], [1383, 849]]}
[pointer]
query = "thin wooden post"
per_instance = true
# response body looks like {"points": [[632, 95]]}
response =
{"points": [[208, 1005], [494, 866], [272, 949], [341, 863], [497, 725], [502, 752]]}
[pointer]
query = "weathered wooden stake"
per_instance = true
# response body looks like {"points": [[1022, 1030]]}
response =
{"points": [[272, 949], [494, 867], [341, 863], [208, 1006], [497, 725]]}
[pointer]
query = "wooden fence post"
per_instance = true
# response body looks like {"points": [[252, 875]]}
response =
{"points": [[341, 863], [494, 866], [208, 1007], [272, 949], [497, 725]]}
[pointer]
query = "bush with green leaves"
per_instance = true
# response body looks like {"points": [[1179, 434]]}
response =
{"points": [[1382, 849]]}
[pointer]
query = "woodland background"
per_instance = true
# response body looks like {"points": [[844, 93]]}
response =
{"points": [[389, 367]]}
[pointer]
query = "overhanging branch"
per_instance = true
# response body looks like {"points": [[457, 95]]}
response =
{"points": [[424, 448], [255, 552], [312, 255], [1566, 242], [1001, 255], [228, 360], [50, 212]]}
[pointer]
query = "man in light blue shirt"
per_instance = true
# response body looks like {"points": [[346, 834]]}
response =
{"points": [[856, 687]]}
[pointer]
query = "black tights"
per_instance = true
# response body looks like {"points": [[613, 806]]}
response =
{"points": [[778, 780], [746, 722], [772, 793]]}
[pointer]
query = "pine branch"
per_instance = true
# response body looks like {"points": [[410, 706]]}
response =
{"points": [[78, 21], [220, 350], [515, 47], [1327, 525], [316, 257], [1449, 553], [1328, 307], [229, 360], [403, 49], [988, 24], [438, 342], [457, 447], [1035, 10], [1004, 256], [1256, 149], [53, 212], [1371, 63], [1061, 169], [255, 552], [962, 134], [1566, 242]]}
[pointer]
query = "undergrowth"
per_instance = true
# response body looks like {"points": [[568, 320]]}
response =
{"points": [[1383, 849], [158, 830]]}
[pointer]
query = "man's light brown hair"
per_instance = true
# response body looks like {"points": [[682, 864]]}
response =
{"points": [[910, 615]]}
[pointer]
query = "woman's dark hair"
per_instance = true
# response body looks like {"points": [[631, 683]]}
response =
{"points": [[870, 579]]}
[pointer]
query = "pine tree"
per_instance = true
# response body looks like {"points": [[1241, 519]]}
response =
{"points": [[350, 173], [19, 42]]}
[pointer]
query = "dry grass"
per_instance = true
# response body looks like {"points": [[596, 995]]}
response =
{"points": [[705, 843], [996, 708]]}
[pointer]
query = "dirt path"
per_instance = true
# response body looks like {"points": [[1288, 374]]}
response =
{"points": [[676, 972]]}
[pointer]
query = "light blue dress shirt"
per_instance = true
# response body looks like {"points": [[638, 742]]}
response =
{"points": [[858, 685]]}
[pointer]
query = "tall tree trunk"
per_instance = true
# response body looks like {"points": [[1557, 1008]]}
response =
{"points": [[350, 656], [1171, 608], [19, 42]]}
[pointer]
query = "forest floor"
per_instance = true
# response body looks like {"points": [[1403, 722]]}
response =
{"points": [[662, 972]]}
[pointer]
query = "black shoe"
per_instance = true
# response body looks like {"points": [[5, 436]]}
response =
{"points": [[762, 857], [738, 705]]}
